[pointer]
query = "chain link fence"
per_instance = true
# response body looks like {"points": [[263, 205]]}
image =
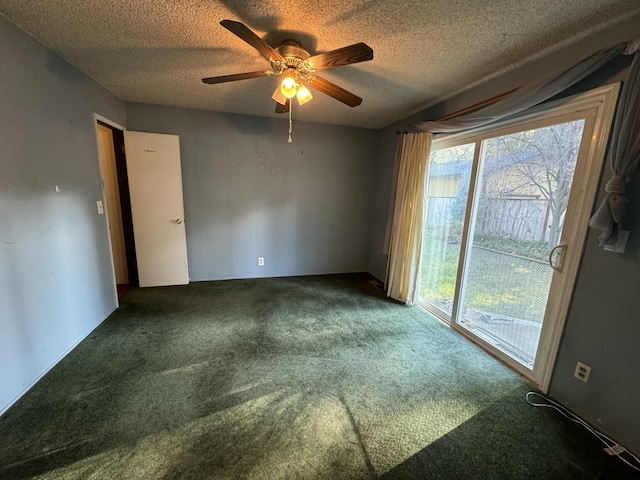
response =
{"points": [[505, 300]]}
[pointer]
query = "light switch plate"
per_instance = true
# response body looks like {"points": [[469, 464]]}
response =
{"points": [[100, 207]]}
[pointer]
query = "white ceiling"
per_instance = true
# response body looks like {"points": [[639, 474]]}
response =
{"points": [[424, 50]]}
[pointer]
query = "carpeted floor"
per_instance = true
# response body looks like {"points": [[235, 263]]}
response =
{"points": [[285, 378]]}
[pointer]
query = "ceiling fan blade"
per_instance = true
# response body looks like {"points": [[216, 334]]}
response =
{"points": [[333, 90], [233, 78], [358, 52], [283, 108], [242, 31]]}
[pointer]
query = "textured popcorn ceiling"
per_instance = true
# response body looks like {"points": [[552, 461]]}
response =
{"points": [[424, 50]]}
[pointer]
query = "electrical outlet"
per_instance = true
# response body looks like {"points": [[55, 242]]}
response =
{"points": [[582, 372], [261, 261]]}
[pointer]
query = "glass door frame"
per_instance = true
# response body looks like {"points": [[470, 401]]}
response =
{"points": [[597, 107]]}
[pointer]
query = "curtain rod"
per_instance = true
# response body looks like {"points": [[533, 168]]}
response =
{"points": [[470, 107]]}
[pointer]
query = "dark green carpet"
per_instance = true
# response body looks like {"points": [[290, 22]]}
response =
{"points": [[308, 377]]}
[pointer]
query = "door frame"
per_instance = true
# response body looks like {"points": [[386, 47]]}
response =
{"points": [[603, 101], [99, 118]]}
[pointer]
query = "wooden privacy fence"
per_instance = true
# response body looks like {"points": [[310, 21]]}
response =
{"points": [[523, 219]]}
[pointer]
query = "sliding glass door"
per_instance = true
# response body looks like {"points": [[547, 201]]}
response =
{"points": [[524, 181], [506, 216], [447, 191]]}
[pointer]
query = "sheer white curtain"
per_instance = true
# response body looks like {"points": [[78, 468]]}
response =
{"points": [[405, 246]]}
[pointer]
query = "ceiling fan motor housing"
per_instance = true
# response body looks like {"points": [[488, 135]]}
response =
{"points": [[293, 57], [291, 48]]}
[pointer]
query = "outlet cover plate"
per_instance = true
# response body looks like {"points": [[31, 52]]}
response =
{"points": [[582, 372]]}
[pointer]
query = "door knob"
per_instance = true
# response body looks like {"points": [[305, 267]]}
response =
{"points": [[178, 221]]}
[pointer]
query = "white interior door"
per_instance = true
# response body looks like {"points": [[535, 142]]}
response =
{"points": [[155, 184]]}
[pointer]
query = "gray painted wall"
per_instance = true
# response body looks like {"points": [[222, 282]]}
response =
{"points": [[603, 331], [603, 325], [305, 207], [384, 175], [55, 272]]}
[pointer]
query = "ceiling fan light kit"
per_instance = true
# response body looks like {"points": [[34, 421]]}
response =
{"points": [[298, 68], [289, 84], [303, 94]]}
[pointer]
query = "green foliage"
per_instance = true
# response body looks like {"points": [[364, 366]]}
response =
{"points": [[535, 250], [501, 283], [507, 285]]}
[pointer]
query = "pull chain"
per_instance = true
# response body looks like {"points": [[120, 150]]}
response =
{"points": [[290, 122]]}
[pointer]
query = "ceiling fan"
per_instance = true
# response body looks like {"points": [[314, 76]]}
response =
{"points": [[298, 68]]}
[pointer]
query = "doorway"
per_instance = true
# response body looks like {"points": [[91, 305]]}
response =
{"points": [[505, 223], [117, 204]]}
